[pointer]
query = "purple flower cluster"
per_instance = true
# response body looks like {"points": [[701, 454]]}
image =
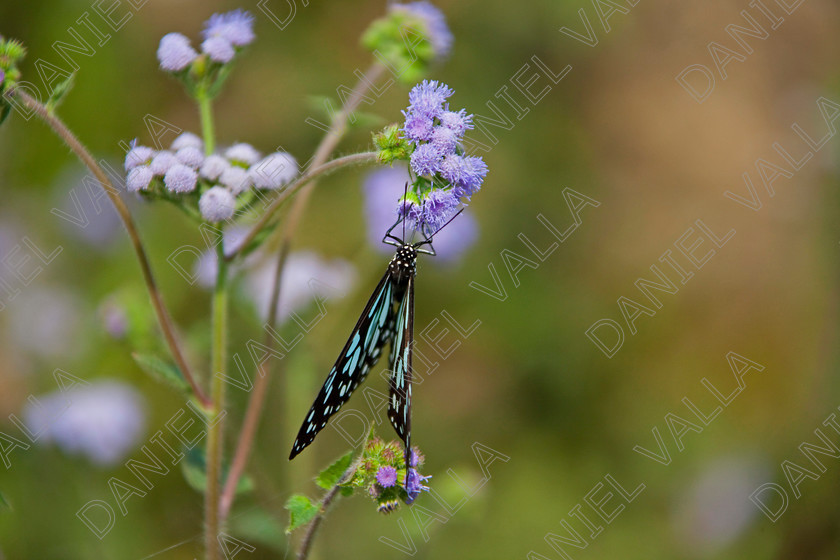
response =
{"points": [[414, 484], [223, 34], [436, 133], [184, 169]]}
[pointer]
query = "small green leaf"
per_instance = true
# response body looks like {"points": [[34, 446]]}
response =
{"points": [[301, 511], [330, 476], [162, 371], [61, 89]]}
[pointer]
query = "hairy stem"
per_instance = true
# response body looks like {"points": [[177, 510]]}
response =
{"points": [[164, 320], [212, 519]]}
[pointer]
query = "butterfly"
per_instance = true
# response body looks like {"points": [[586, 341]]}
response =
{"points": [[388, 318]]}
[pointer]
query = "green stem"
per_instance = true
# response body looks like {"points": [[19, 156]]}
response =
{"points": [[205, 113], [217, 396]]}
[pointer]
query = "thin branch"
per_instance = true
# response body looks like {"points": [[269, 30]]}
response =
{"points": [[312, 528], [61, 130], [295, 186]]}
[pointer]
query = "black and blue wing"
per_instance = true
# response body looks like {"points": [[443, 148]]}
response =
{"points": [[399, 362], [372, 332]]}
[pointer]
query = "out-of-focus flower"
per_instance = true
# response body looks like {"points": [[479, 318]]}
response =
{"points": [[175, 52], [138, 155], [114, 319], [102, 421], [180, 179], [217, 204], [236, 27], [190, 156], [213, 166], [47, 322], [437, 31], [187, 140], [138, 179], [273, 171], [714, 510], [236, 179], [163, 162], [206, 265], [242, 153], [382, 188], [218, 49], [305, 276]]}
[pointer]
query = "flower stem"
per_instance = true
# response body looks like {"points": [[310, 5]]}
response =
{"points": [[212, 519], [164, 320], [205, 113], [326, 501]]}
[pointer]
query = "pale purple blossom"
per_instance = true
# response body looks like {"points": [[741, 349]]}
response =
{"points": [[237, 27], [138, 179], [217, 204], [218, 49], [273, 171], [187, 139], [242, 153], [236, 179], [175, 52], [163, 162], [102, 421], [138, 155], [190, 156], [47, 322], [444, 140], [180, 179], [465, 172], [213, 167], [418, 128], [458, 122]]}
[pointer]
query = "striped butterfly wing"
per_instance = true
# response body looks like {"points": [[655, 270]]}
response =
{"points": [[372, 332], [399, 362]]}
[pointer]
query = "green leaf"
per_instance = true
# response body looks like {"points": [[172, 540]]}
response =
{"points": [[330, 476], [301, 511], [194, 467], [160, 370], [61, 89]]}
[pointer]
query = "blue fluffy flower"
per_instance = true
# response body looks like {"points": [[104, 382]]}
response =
{"points": [[175, 52], [237, 27], [427, 98], [218, 49], [414, 484], [426, 159]]}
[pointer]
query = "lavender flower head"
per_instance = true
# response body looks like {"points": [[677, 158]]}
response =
{"points": [[218, 49], [102, 421], [414, 484], [175, 53], [433, 19], [236, 27], [384, 186], [386, 476], [217, 204]]}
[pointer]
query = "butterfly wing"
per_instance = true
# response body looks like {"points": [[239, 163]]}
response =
{"points": [[399, 362], [372, 332]]}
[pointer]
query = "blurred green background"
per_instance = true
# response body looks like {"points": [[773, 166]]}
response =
{"points": [[558, 414]]}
